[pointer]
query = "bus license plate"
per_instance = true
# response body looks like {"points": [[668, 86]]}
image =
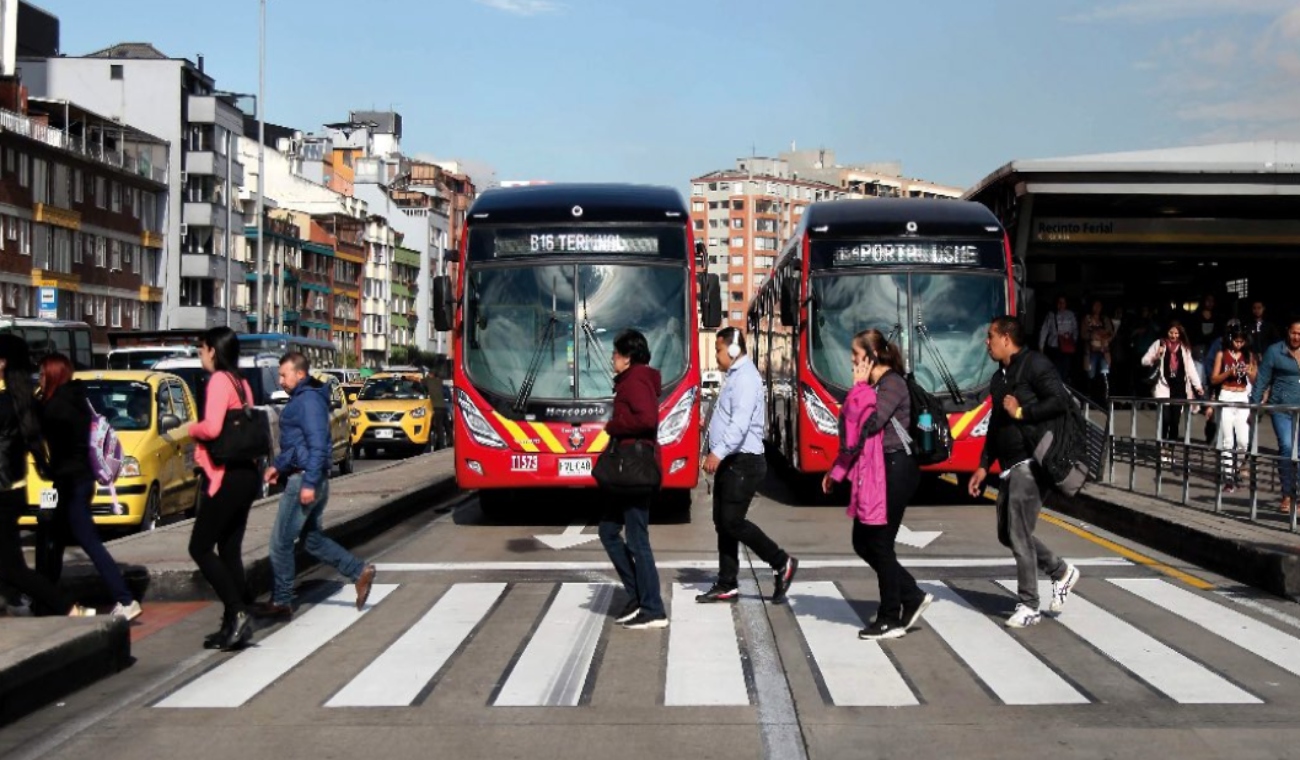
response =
{"points": [[49, 498], [384, 433], [575, 467], [523, 463]]}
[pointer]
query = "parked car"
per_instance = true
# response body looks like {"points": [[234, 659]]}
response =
{"points": [[340, 433], [343, 375], [151, 412], [392, 411]]}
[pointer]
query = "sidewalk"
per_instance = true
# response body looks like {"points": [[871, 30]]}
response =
{"points": [[42, 659]]}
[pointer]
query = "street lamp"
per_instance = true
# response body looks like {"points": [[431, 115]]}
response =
{"points": [[230, 152]]}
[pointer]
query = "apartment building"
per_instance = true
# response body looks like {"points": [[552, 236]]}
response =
{"points": [[83, 200], [377, 298], [405, 286], [175, 100]]}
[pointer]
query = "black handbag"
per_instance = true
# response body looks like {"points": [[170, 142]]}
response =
{"points": [[245, 436], [628, 468]]}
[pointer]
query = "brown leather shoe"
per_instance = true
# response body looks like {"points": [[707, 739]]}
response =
{"points": [[1285, 508], [363, 585], [271, 610]]}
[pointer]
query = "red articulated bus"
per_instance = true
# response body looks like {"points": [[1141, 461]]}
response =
{"points": [[928, 273], [549, 276]]}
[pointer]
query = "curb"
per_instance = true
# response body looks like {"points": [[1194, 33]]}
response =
{"points": [[1275, 569], [175, 584], [42, 677]]}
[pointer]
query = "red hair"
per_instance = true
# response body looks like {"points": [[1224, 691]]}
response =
{"points": [[57, 370]]}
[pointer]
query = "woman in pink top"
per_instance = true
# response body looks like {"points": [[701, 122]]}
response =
{"points": [[228, 492], [875, 457]]}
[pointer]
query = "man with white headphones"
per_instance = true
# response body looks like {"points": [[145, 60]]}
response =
{"points": [[736, 460]]}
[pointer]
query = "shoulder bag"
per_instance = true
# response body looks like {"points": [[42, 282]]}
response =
{"points": [[628, 468], [245, 436]]}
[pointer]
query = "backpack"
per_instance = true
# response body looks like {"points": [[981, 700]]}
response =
{"points": [[1062, 446], [928, 438], [105, 454]]}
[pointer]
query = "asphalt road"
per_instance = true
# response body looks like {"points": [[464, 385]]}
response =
{"points": [[482, 641]]}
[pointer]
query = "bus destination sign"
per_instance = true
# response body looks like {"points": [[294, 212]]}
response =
{"points": [[900, 253], [560, 243]]}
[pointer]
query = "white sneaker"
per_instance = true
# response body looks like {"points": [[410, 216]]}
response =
{"points": [[1023, 617], [127, 611], [1061, 589]]}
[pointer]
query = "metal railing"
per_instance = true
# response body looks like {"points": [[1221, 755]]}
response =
{"points": [[1203, 472], [54, 137]]}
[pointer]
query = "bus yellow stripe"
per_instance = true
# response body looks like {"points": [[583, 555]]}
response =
{"points": [[517, 433], [548, 437], [968, 419], [599, 444]]}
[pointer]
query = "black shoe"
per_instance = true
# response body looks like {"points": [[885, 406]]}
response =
{"points": [[215, 639], [643, 621], [883, 628], [719, 593], [630, 611], [240, 633], [912, 611], [271, 610], [783, 578]]}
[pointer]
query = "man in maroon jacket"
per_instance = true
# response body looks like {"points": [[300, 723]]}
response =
{"points": [[636, 418]]}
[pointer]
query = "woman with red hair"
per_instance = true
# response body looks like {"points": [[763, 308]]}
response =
{"points": [[65, 420]]}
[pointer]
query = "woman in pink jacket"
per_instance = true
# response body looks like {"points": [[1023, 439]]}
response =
{"points": [[217, 541], [876, 459]]}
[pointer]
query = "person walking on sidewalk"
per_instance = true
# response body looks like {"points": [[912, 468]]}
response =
{"points": [[65, 421], [735, 459], [883, 477], [1234, 371], [20, 435], [304, 463], [227, 492], [1278, 384], [636, 419], [1026, 391]]}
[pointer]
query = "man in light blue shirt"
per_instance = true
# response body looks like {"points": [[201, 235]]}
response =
{"points": [[735, 459]]}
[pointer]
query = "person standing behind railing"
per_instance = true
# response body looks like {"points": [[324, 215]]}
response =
{"points": [[1234, 371], [1176, 377], [1278, 384]]}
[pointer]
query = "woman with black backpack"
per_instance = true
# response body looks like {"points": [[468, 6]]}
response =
{"points": [[228, 490], [877, 372], [65, 420]]}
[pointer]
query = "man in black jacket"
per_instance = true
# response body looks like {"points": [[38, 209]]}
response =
{"points": [[1027, 392]]}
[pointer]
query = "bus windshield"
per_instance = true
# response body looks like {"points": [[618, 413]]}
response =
{"points": [[560, 321], [142, 358], [938, 320]]}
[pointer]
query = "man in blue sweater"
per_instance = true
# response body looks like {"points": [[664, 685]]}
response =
{"points": [[1279, 379], [304, 461]]}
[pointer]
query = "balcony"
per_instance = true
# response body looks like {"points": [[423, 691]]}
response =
{"points": [[207, 267], [371, 342], [208, 109], [290, 316], [59, 217], [202, 215], [199, 317], [209, 163], [152, 239], [141, 165]]}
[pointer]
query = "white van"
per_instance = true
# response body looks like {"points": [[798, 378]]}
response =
{"points": [[145, 357]]}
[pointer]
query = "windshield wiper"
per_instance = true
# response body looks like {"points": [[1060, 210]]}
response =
{"points": [[535, 364], [593, 337], [936, 356]]}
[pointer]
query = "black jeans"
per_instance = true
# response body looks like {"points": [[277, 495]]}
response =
{"points": [[625, 534], [875, 543], [440, 434], [220, 526], [734, 486], [72, 523], [46, 597], [1173, 414]]}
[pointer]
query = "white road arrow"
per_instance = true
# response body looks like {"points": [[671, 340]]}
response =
{"points": [[917, 538], [571, 537]]}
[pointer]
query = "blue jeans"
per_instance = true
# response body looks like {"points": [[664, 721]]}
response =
{"points": [[633, 559], [1097, 364], [1285, 467], [292, 520]]}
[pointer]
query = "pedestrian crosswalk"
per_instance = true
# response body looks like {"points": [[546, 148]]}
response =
{"points": [[705, 654]]}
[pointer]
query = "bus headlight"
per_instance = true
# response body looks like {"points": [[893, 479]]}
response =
{"points": [[822, 419], [479, 429], [675, 422], [418, 413], [130, 468]]}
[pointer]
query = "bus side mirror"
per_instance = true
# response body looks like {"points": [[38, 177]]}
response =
{"points": [[443, 305], [711, 303], [789, 302]]}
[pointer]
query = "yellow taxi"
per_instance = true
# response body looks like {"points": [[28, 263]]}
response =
{"points": [[340, 429], [151, 413], [392, 411]]}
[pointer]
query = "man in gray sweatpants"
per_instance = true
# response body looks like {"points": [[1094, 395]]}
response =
{"points": [[1027, 391]]}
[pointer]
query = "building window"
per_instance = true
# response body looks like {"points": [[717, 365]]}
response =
{"points": [[697, 189], [101, 252], [62, 251], [116, 71], [737, 296], [738, 261], [738, 242], [116, 257], [137, 253], [101, 310], [78, 189], [117, 197], [25, 237], [101, 193], [698, 223], [117, 312], [11, 162], [737, 205], [738, 279], [736, 316], [24, 170]]}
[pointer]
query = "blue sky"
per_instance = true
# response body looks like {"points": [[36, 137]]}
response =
{"points": [[662, 91]]}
